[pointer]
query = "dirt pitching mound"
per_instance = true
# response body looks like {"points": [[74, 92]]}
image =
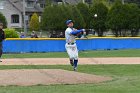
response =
{"points": [[46, 77]]}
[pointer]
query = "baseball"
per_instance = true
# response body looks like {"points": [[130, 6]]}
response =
{"points": [[95, 15]]}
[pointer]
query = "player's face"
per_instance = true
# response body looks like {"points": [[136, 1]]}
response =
{"points": [[70, 24]]}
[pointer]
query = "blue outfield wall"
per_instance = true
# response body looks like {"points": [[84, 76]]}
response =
{"points": [[58, 45]]}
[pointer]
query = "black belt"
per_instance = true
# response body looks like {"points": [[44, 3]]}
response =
{"points": [[71, 43]]}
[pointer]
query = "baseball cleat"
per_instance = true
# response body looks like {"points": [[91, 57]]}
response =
{"points": [[71, 62], [75, 69]]}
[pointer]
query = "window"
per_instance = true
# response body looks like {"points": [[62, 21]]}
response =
{"points": [[88, 1], [42, 5], [30, 4], [15, 18], [60, 3], [1, 4], [58, 0]]}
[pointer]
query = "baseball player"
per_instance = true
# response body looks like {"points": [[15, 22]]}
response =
{"points": [[2, 37], [70, 45]]}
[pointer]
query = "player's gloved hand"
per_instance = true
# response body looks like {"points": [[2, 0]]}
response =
{"points": [[83, 30]]}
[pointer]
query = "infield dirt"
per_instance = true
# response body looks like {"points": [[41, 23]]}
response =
{"points": [[24, 77], [65, 61]]}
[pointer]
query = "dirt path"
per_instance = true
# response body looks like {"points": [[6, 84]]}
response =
{"points": [[65, 61]]}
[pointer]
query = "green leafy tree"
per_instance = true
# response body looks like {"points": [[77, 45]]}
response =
{"points": [[3, 20], [54, 17], [77, 17], [84, 10], [125, 16], [122, 18], [47, 18], [115, 19], [34, 22], [48, 2], [134, 1], [59, 17], [98, 22], [64, 13], [134, 19]]}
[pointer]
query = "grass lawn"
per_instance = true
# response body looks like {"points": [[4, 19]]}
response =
{"points": [[126, 77], [105, 53], [126, 80]]}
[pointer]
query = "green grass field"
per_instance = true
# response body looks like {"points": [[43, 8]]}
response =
{"points": [[126, 78], [105, 53]]}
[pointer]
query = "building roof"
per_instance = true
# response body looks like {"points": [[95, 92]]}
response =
{"points": [[18, 4]]}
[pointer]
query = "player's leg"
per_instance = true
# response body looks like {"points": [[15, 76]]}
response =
{"points": [[70, 56], [69, 51], [75, 58], [75, 64], [0, 51], [71, 62]]}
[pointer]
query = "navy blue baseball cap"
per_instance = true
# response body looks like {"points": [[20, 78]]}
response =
{"points": [[68, 21]]}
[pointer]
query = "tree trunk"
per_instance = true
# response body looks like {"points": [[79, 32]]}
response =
{"points": [[100, 33], [120, 33], [124, 33], [134, 32], [116, 33]]}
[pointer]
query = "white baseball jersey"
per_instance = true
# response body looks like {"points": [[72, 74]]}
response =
{"points": [[69, 37], [71, 46]]}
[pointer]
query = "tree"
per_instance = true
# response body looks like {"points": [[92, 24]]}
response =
{"points": [[98, 22], [84, 10], [134, 1], [134, 19], [65, 14], [115, 17], [48, 2], [34, 22], [77, 17], [125, 22], [54, 17], [47, 18], [3, 20], [122, 18], [59, 17]]}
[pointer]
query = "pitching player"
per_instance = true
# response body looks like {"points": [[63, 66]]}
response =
{"points": [[70, 45]]}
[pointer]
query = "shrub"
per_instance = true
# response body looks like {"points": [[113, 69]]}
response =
{"points": [[34, 22], [11, 33]]}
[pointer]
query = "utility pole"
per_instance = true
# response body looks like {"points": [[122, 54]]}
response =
{"points": [[64, 1], [24, 20], [83, 1], [122, 1]]}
